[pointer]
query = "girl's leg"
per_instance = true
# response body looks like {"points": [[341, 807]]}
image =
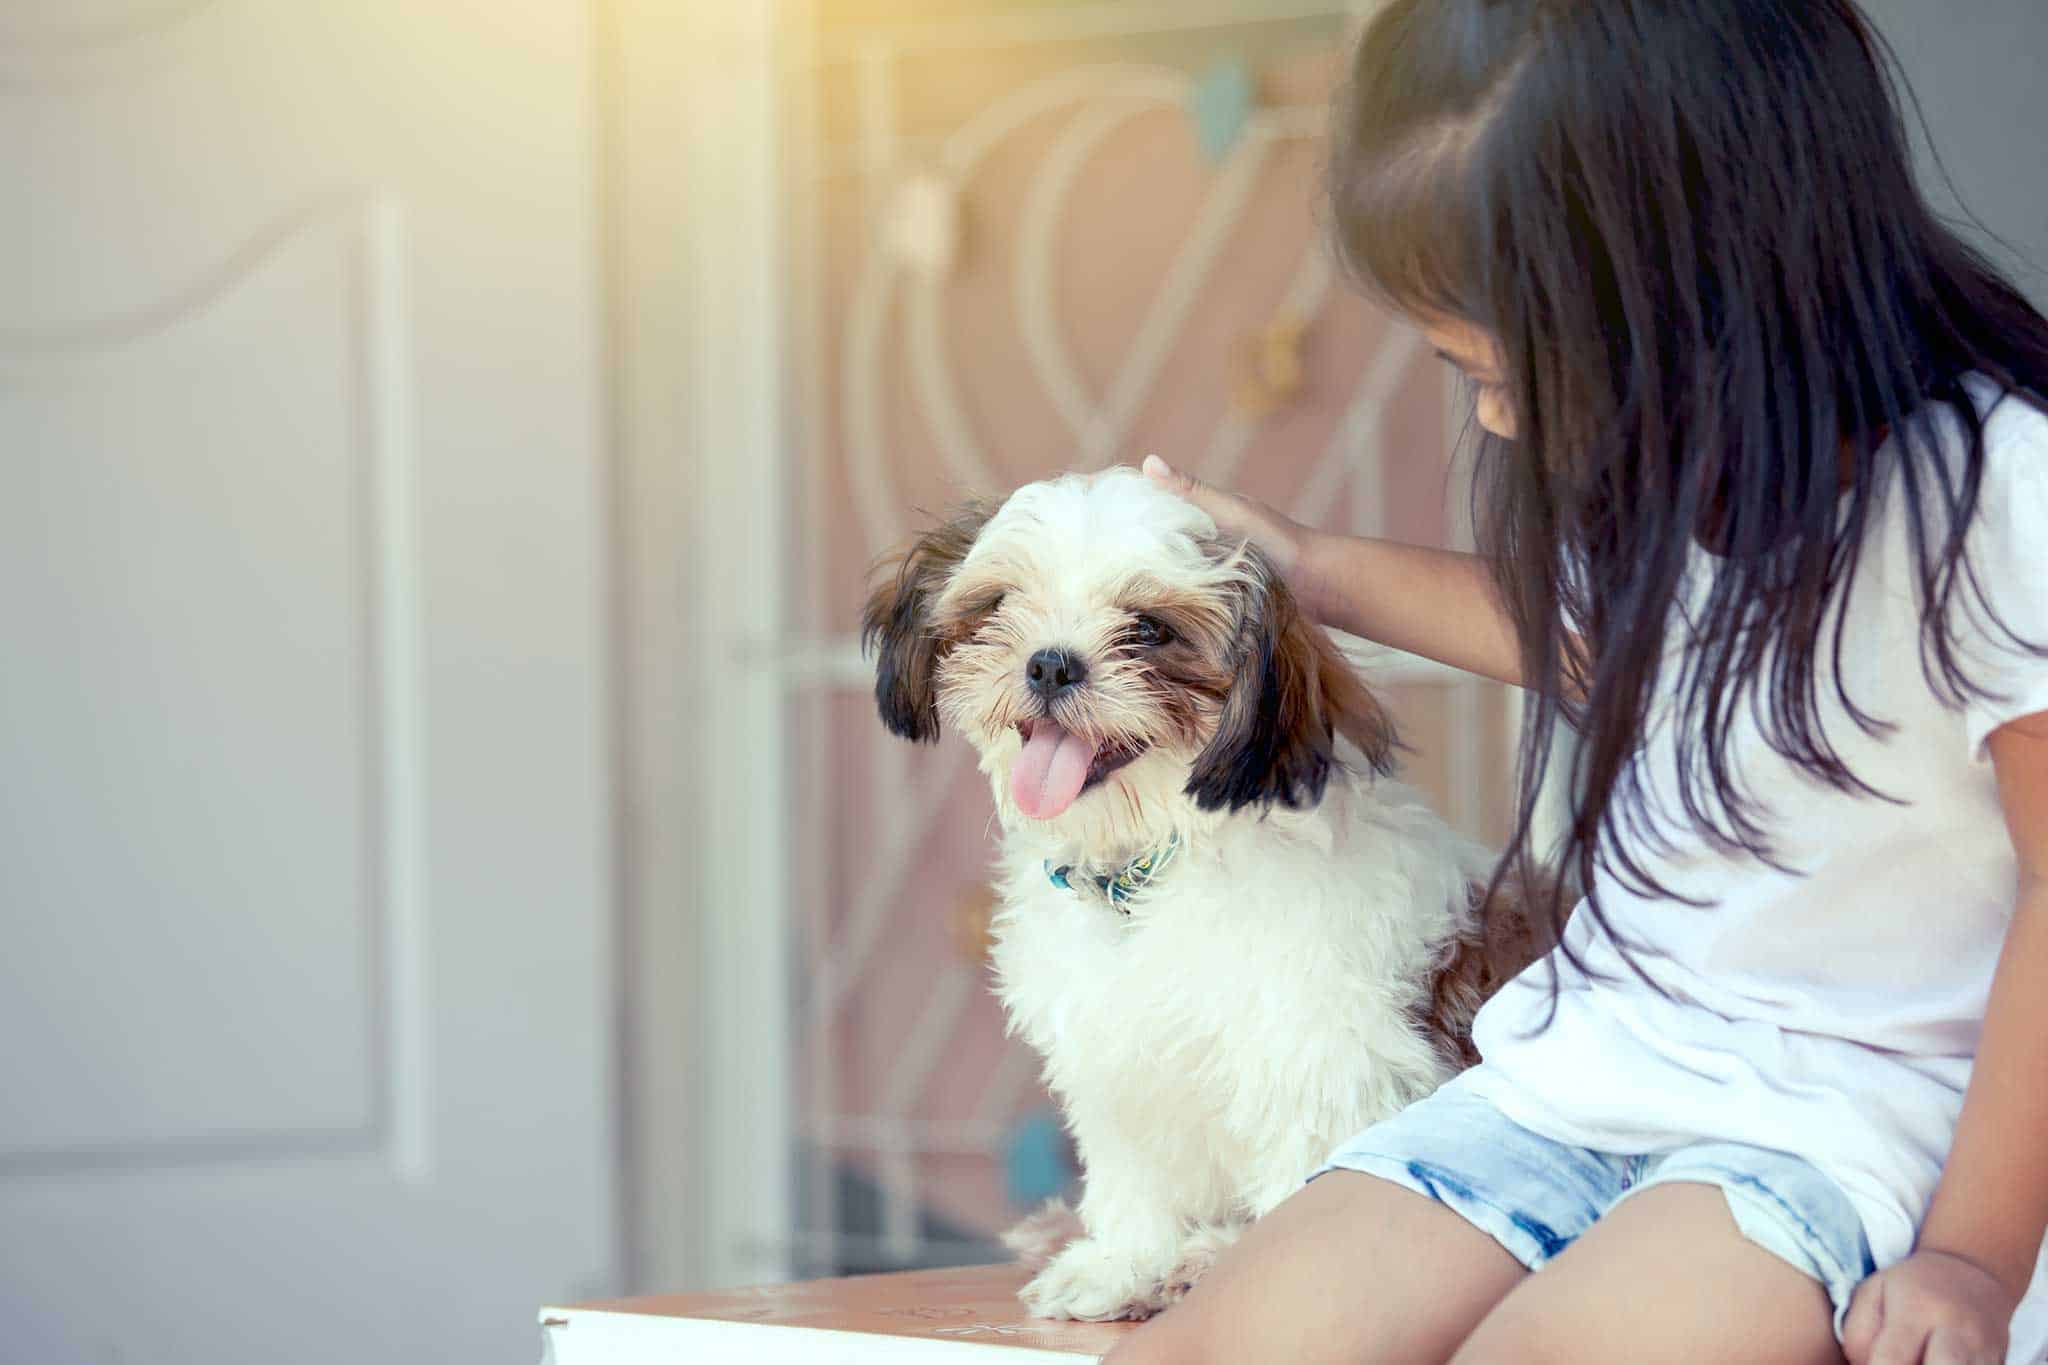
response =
{"points": [[1351, 1269], [1666, 1276]]}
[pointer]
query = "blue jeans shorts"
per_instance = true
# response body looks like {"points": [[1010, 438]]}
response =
{"points": [[1535, 1196]]}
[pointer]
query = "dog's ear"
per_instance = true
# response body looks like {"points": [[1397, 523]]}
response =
{"points": [[1293, 693], [897, 623]]}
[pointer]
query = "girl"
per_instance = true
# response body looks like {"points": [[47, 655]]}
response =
{"points": [[1764, 500]]}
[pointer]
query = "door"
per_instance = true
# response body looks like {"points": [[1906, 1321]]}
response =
{"points": [[304, 862]]}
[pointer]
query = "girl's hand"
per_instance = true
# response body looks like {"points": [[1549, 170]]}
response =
{"points": [[1284, 541], [1929, 1309], [1440, 604]]}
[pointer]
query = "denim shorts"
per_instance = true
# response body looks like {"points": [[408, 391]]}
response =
{"points": [[1535, 1196]]}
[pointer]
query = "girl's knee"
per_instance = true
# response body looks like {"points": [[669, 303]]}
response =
{"points": [[1526, 1334]]}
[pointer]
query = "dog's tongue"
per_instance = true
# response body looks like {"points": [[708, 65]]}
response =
{"points": [[1050, 772]]}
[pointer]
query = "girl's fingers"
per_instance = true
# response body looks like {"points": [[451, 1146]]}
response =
{"points": [[1273, 533], [1947, 1348], [1227, 508], [1866, 1316], [1159, 471], [1900, 1345]]}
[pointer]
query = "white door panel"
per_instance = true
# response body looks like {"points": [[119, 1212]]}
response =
{"points": [[304, 877]]}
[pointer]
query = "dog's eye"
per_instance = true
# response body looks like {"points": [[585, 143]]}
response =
{"points": [[1149, 632]]}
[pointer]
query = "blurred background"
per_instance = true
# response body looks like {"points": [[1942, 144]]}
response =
{"points": [[448, 861]]}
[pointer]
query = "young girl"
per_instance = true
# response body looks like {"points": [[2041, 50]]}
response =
{"points": [[1765, 495]]}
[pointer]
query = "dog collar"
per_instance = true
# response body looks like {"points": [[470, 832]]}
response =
{"points": [[1120, 886]]}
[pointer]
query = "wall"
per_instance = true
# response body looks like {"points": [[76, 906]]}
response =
{"points": [[1977, 70]]}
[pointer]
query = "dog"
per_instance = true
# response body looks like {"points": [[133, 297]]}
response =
{"points": [[1234, 938]]}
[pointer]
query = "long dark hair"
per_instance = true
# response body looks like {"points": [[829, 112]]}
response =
{"points": [[1693, 227]]}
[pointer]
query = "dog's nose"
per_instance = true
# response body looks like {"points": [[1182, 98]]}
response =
{"points": [[1054, 671]]}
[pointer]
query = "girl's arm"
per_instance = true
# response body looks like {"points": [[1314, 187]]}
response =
{"points": [[1953, 1298], [1436, 603]]}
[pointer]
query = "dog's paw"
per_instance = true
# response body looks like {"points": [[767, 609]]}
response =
{"points": [[1094, 1283], [1197, 1254]]}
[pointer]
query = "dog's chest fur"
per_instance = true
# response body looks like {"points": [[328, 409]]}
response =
{"points": [[1272, 979]]}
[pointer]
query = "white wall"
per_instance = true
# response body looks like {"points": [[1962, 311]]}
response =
{"points": [[1978, 71]]}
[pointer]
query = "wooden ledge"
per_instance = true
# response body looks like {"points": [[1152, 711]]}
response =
{"points": [[925, 1315]]}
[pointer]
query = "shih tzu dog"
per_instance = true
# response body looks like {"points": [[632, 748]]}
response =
{"points": [[1232, 936]]}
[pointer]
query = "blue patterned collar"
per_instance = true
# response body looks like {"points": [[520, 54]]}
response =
{"points": [[1119, 887]]}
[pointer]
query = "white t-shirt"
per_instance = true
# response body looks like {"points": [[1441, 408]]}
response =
{"points": [[1832, 1009]]}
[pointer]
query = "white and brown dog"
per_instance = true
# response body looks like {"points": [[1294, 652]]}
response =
{"points": [[1234, 939]]}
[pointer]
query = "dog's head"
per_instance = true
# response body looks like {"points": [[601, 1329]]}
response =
{"points": [[1107, 651]]}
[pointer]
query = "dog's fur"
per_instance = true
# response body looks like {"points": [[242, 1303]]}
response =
{"points": [[1310, 959]]}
